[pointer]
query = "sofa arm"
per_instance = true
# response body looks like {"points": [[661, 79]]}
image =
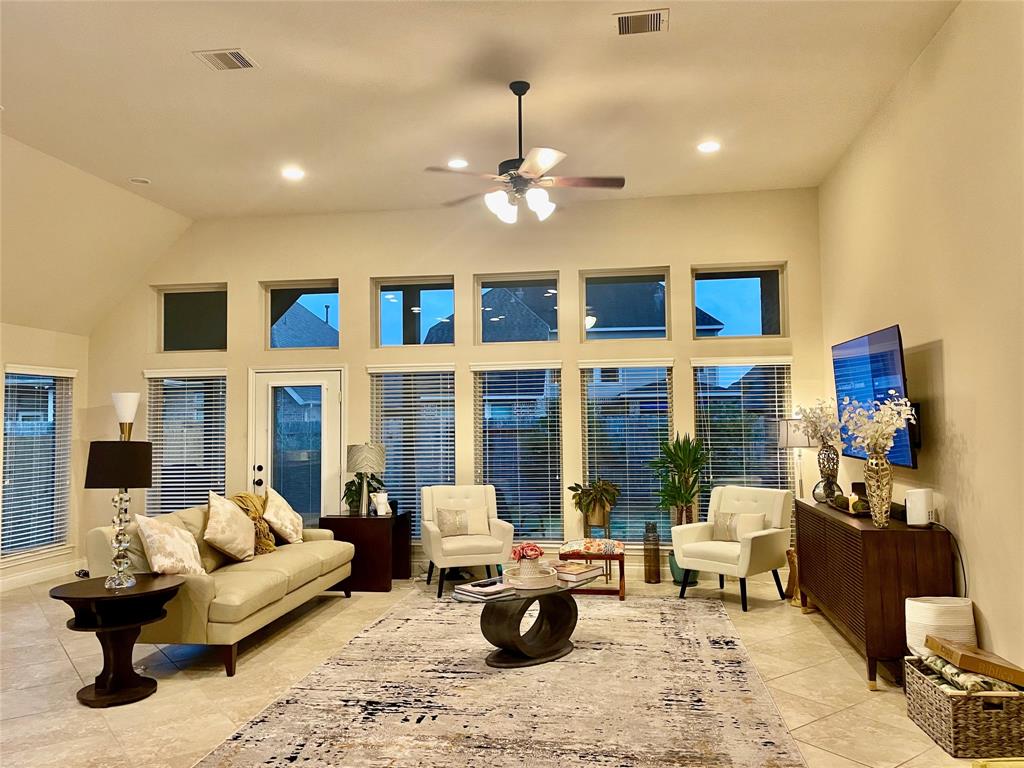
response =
{"points": [[763, 551], [504, 531], [187, 613], [317, 534], [688, 534], [430, 536]]}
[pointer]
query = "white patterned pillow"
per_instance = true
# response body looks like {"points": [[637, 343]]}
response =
{"points": [[169, 549], [286, 522], [733, 526], [463, 522], [229, 529]]}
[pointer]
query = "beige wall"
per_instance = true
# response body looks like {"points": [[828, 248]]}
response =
{"points": [[747, 228], [50, 349], [921, 226]]}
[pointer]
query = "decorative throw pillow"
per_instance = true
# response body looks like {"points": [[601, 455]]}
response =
{"points": [[286, 522], [733, 526], [252, 505], [229, 529], [169, 548], [463, 522]]}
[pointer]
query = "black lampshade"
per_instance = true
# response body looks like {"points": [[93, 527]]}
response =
{"points": [[119, 464]]}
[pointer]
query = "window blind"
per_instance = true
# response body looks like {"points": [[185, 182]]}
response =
{"points": [[517, 439], [627, 413], [737, 408], [413, 414], [186, 422], [37, 462]]}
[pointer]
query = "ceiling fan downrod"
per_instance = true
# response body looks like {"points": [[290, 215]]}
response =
{"points": [[519, 88]]}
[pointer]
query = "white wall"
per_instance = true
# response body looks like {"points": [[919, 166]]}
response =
{"points": [[921, 226], [746, 228]]}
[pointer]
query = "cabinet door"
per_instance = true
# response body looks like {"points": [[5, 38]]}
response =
{"points": [[844, 548]]}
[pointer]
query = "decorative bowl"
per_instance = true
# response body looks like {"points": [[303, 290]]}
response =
{"points": [[548, 577]]}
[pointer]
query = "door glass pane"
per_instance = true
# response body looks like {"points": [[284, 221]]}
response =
{"points": [[297, 438]]}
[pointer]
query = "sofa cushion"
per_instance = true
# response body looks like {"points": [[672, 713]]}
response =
{"points": [[716, 551], [299, 566], [242, 594], [229, 529], [194, 520], [332, 554], [455, 546]]}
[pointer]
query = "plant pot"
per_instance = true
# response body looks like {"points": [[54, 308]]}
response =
{"points": [[677, 572], [529, 568], [828, 466], [878, 483], [597, 516]]}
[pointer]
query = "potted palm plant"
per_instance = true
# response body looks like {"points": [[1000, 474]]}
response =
{"points": [[678, 468], [595, 501]]}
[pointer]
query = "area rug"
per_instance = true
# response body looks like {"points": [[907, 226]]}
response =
{"points": [[652, 682]]}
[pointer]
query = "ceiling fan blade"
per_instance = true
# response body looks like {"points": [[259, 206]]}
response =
{"points": [[539, 161], [611, 182], [474, 174], [468, 198]]}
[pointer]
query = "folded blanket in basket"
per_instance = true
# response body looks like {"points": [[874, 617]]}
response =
{"points": [[972, 682]]}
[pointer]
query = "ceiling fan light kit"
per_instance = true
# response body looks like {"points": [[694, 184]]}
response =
{"points": [[525, 178]]}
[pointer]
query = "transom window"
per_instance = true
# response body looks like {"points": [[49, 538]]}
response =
{"points": [[519, 309], [737, 302], [416, 312], [304, 316], [194, 319], [627, 306]]}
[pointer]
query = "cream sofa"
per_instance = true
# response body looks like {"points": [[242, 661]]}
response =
{"points": [[231, 600]]}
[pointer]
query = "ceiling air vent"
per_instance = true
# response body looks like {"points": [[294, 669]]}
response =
{"points": [[228, 58], [635, 22]]}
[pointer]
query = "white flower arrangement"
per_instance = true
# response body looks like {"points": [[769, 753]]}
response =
{"points": [[820, 422], [873, 425]]}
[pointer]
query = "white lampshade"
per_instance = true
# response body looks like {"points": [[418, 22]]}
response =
{"points": [[790, 435], [125, 406], [366, 457]]}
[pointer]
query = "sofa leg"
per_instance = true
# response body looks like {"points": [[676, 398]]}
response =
{"points": [[682, 589], [743, 594], [430, 571], [721, 581], [778, 585], [230, 653], [440, 582]]}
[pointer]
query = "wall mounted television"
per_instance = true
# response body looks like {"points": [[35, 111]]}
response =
{"points": [[865, 369]]}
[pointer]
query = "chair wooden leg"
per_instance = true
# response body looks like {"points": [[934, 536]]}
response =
{"points": [[440, 582], [682, 588], [430, 571], [230, 655], [488, 571], [778, 585], [622, 578], [743, 594], [721, 581]]}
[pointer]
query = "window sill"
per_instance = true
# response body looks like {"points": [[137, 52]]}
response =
{"points": [[36, 555]]}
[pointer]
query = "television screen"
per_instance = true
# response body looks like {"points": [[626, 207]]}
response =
{"points": [[866, 368]]}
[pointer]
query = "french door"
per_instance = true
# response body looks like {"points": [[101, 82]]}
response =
{"points": [[295, 443]]}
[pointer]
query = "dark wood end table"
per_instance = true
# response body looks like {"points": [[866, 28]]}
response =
{"points": [[383, 548], [117, 616]]}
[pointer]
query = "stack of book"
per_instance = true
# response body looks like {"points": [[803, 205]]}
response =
{"points": [[484, 590], [569, 571]]}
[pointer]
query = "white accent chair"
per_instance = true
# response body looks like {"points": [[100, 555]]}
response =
{"points": [[463, 551], [757, 552]]}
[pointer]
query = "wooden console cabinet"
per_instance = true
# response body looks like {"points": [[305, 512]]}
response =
{"points": [[383, 548], [859, 576]]}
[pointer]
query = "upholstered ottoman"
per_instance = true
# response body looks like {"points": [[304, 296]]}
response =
{"points": [[606, 550]]}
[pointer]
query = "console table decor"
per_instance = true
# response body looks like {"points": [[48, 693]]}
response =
{"points": [[117, 616], [383, 547], [859, 577]]}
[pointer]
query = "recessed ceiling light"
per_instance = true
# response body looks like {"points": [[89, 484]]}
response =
{"points": [[707, 147], [458, 162], [293, 173], [139, 180]]}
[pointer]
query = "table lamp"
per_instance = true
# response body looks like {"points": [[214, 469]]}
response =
{"points": [[790, 437], [363, 460], [120, 464]]}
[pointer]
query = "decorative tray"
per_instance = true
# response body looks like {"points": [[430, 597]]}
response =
{"points": [[548, 577]]}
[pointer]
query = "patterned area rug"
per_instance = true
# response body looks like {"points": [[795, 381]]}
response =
{"points": [[652, 682]]}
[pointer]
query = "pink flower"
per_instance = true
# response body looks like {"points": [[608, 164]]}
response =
{"points": [[526, 551]]}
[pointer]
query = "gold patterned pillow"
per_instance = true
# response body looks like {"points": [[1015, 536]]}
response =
{"points": [[252, 505], [462, 522], [169, 548], [733, 526], [229, 529]]}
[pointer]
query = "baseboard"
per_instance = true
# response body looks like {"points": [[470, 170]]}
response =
{"points": [[42, 573]]}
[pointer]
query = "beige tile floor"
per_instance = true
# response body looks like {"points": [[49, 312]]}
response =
{"points": [[815, 677]]}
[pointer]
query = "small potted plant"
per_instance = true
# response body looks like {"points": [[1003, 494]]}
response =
{"points": [[595, 501], [527, 555], [678, 468], [354, 488]]}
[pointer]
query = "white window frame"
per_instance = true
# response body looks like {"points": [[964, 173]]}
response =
{"points": [[663, 271], [512, 277], [273, 285]]}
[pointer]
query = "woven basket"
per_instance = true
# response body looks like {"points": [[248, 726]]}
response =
{"points": [[975, 725]]}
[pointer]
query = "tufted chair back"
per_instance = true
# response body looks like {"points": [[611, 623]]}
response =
{"points": [[458, 497], [776, 505]]}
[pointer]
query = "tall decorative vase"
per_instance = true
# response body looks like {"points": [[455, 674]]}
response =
{"points": [[652, 554], [878, 481], [828, 466], [529, 567]]}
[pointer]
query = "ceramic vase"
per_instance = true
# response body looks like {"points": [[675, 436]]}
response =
{"points": [[529, 568], [878, 481], [828, 466]]}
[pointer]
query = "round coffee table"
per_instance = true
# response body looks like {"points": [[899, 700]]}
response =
{"points": [[117, 616], [546, 640]]}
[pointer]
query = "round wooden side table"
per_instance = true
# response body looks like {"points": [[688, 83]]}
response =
{"points": [[117, 616]]}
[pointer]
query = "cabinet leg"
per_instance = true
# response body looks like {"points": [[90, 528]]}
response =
{"points": [[872, 673], [743, 594], [430, 571]]}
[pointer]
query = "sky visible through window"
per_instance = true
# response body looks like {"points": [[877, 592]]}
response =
{"points": [[316, 303], [436, 306], [735, 301]]}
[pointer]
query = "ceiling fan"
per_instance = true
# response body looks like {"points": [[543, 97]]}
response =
{"points": [[524, 178]]}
